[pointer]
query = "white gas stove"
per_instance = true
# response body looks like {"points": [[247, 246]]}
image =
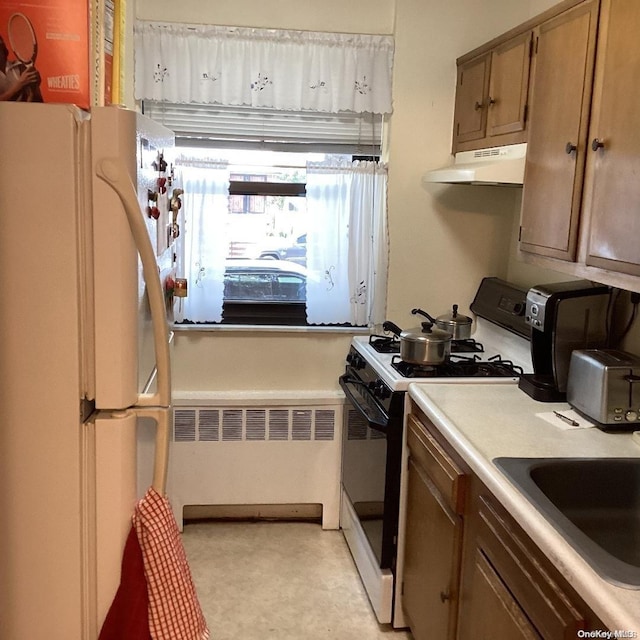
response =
{"points": [[375, 384], [489, 345]]}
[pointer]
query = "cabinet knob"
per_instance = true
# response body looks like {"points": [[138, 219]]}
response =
{"points": [[570, 147], [478, 105], [444, 596], [491, 100], [597, 144]]}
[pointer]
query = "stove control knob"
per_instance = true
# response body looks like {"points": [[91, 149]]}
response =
{"points": [[381, 390], [356, 360]]}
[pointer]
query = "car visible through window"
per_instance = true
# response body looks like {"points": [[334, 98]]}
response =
{"points": [[264, 281], [296, 252]]}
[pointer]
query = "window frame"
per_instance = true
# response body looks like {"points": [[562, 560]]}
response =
{"points": [[358, 136]]}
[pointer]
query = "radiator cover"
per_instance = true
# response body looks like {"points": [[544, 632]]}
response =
{"points": [[232, 424], [255, 449]]}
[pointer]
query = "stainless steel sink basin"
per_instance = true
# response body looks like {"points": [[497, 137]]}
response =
{"points": [[593, 503]]}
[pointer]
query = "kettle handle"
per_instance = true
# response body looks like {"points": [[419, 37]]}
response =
{"points": [[423, 313], [387, 325]]}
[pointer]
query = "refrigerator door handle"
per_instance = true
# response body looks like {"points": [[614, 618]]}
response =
{"points": [[161, 457], [115, 174]]}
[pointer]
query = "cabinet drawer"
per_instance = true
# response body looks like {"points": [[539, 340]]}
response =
{"points": [[547, 606], [448, 476]]}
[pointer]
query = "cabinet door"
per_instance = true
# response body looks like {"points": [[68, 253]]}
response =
{"points": [[431, 561], [547, 607], [563, 69], [613, 170], [471, 99], [492, 611], [509, 86]]}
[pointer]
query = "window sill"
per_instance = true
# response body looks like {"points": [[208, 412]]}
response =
{"points": [[261, 328]]}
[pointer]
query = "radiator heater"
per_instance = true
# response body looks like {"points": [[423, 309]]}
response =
{"points": [[254, 450]]}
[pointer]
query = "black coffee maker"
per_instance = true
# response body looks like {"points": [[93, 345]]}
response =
{"points": [[563, 316]]}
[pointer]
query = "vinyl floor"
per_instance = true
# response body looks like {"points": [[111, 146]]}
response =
{"points": [[280, 580]]}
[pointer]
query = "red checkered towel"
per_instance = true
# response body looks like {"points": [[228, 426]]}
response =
{"points": [[174, 610]]}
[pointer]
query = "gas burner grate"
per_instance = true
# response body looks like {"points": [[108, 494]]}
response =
{"points": [[459, 367], [503, 364], [467, 345], [410, 370], [385, 344]]}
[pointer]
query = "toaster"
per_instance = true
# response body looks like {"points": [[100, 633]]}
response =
{"points": [[604, 386]]}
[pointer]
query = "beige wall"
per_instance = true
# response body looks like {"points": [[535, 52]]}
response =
{"points": [[443, 239], [357, 16]]}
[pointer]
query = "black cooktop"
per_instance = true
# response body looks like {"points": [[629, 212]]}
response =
{"points": [[459, 367]]}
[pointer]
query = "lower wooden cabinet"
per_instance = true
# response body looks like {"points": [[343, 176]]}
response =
{"points": [[492, 612], [433, 537], [470, 571], [432, 552], [533, 604]]}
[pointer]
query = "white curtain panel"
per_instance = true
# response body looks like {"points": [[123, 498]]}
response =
{"points": [[286, 70], [347, 243], [203, 242]]}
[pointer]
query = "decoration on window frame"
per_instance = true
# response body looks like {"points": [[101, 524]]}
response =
{"points": [[270, 68]]}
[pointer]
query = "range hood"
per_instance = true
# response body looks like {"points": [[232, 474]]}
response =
{"points": [[494, 166]]}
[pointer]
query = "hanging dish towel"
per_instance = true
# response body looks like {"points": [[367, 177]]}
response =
{"points": [[174, 609], [128, 616]]}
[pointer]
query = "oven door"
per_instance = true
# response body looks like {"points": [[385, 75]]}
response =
{"points": [[364, 479], [367, 465], [371, 450]]}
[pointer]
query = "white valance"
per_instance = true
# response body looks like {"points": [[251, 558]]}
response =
{"points": [[285, 70]]}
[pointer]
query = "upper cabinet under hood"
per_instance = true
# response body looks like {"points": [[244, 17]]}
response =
{"points": [[495, 166]]}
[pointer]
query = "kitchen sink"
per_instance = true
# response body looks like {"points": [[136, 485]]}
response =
{"points": [[593, 502]]}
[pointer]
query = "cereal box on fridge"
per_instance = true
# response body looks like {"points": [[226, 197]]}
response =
{"points": [[48, 51]]}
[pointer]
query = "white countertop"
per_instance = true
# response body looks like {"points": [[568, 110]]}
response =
{"points": [[483, 422]]}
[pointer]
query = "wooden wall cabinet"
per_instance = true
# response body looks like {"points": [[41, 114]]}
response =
{"points": [[491, 95], [581, 198], [564, 54], [612, 184], [470, 571]]}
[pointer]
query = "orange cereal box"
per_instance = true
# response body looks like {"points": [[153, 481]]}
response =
{"points": [[54, 51]]}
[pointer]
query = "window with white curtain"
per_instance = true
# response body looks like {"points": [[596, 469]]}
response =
{"points": [[284, 211], [281, 238]]}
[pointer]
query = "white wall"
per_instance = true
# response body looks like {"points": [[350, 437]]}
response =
{"points": [[443, 239]]}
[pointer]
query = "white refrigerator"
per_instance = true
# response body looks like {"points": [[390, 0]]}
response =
{"points": [[82, 325]]}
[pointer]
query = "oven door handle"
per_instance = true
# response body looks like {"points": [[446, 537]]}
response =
{"points": [[373, 420]]}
